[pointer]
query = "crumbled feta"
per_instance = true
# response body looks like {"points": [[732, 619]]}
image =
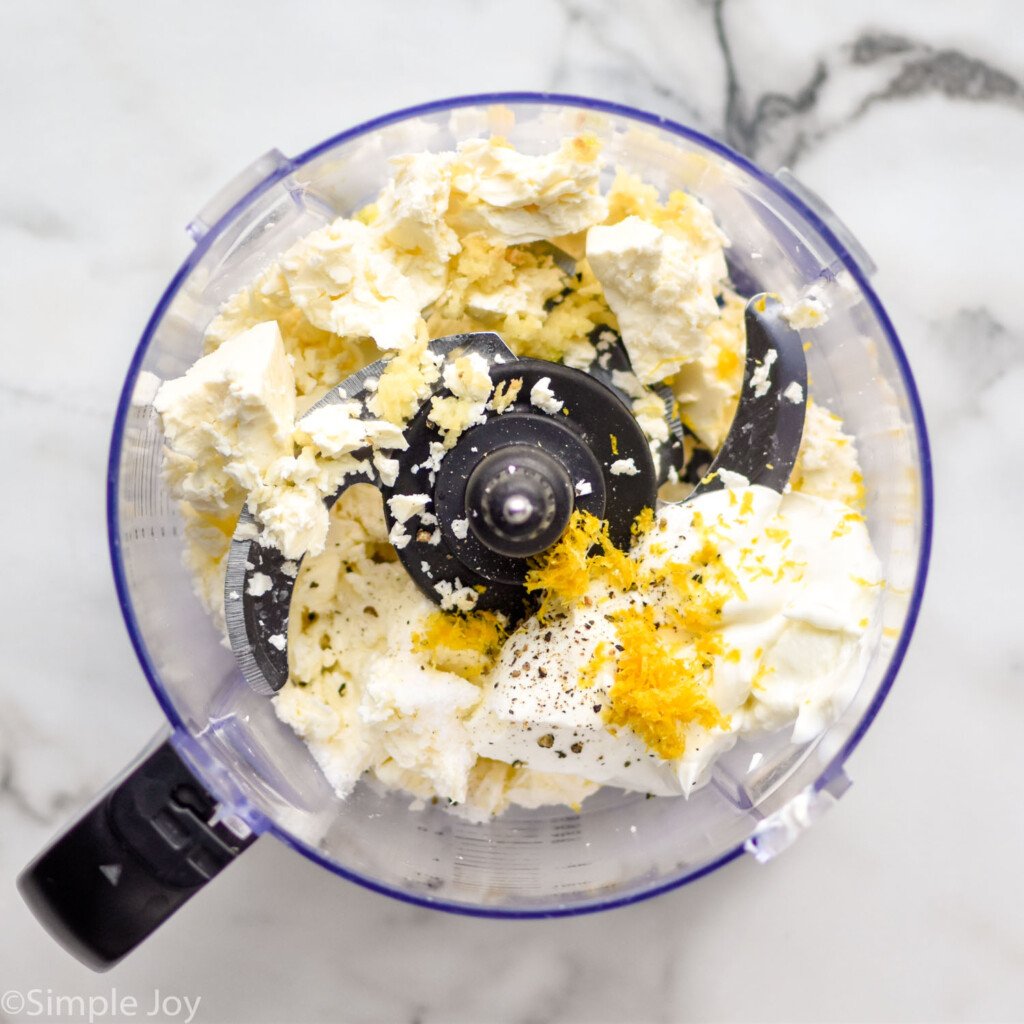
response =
{"points": [[662, 290], [793, 393], [455, 597], [759, 379], [405, 506], [228, 419], [807, 312], [259, 584], [387, 469], [468, 377], [399, 536], [246, 531], [470, 384], [519, 198], [543, 397]]}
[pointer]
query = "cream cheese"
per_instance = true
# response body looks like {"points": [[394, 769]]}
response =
{"points": [[790, 649]]}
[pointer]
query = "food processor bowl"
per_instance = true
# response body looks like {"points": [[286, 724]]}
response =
{"points": [[259, 778]]}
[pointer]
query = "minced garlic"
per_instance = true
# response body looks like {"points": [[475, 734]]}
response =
{"points": [[405, 383]]}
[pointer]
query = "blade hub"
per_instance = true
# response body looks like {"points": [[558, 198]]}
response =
{"points": [[519, 500]]}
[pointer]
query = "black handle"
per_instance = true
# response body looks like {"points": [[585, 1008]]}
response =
{"points": [[146, 847]]}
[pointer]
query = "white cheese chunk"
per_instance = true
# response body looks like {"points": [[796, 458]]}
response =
{"points": [[660, 288], [228, 419]]}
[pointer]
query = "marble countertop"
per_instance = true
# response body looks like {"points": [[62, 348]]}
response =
{"points": [[121, 120]]}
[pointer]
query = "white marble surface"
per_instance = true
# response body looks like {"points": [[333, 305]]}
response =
{"points": [[120, 119]]}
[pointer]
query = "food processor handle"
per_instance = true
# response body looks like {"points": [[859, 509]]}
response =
{"points": [[146, 847]]}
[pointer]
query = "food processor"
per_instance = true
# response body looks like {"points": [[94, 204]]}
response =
{"points": [[226, 770]]}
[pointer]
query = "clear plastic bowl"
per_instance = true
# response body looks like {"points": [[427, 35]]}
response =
{"points": [[621, 847]]}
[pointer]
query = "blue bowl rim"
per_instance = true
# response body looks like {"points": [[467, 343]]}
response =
{"points": [[834, 767]]}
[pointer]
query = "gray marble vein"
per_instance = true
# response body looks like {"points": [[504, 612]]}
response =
{"points": [[777, 128]]}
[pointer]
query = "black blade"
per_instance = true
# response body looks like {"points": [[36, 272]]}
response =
{"points": [[765, 435]]}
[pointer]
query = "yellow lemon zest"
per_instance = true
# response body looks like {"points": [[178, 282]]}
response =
{"points": [[666, 649], [643, 522], [448, 637], [566, 570], [601, 657], [845, 524], [656, 691]]}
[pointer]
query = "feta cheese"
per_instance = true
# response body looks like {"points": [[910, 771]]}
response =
{"points": [[793, 393], [405, 506], [624, 467], [760, 379], [708, 388], [469, 381], [259, 584], [826, 465], [345, 283], [246, 531], [228, 419], [293, 515], [580, 355], [519, 198], [468, 377], [543, 397], [411, 226], [387, 469], [399, 536], [455, 597], [660, 289], [337, 430], [807, 312]]}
